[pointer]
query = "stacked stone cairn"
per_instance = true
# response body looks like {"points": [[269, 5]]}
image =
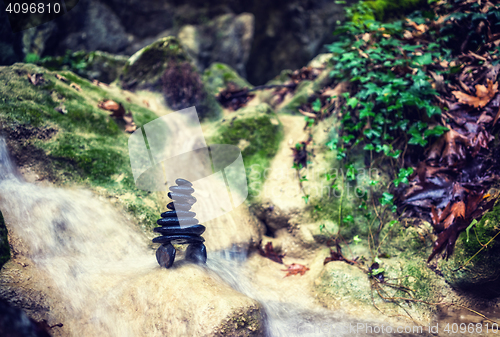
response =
{"points": [[172, 232]]}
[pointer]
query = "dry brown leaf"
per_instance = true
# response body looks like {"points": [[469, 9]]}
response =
{"points": [[308, 114], [484, 94], [35, 79], [484, 118], [129, 123], [61, 78], [295, 269], [75, 86], [110, 105], [408, 35], [454, 147], [496, 117], [457, 211]]}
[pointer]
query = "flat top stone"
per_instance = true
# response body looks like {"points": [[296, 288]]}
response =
{"points": [[181, 181]]}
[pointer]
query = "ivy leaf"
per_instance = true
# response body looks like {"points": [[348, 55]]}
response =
{"points": [[386, 199]]}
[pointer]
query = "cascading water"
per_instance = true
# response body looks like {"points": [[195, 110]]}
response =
{"points": [[104, 273]]}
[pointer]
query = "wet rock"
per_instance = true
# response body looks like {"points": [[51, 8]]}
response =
{"points": [[4, 243], [172, 232], [225, 39], [190, 230], [219, 75], [165, 67], [15, 323], [144, 69], [272, 216], [100, 29], [165, 255], [257, 131], [95, 65]]}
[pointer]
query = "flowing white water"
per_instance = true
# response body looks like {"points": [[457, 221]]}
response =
{"points": [[106, 277]]}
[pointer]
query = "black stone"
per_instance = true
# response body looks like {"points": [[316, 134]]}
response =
{"points": [[174, 214], [187, 199], [181, 181], [179, 206], [197, 253], [182, 189], [177, 221], [191, 230], [179, 239], [172, 232], [165, 255]]}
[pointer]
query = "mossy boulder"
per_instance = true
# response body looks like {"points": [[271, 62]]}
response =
{"points": [[4, 242], [385, 9], [478, 274], [256, 130], [144, 69], [341, 285], [83, 145], [96, 65], [165, 67], [218, 75]]}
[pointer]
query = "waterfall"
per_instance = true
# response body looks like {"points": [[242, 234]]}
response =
{"points": [[103, 272]]}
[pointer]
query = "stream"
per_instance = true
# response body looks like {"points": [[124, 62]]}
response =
{"points": [[93, 255]]}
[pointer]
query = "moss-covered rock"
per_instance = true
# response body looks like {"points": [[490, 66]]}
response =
{"points": [[144, 69], [481, 273], [96, 65], [83, 146], [242, 323], [165, 67], [256, 130], [218, 75], [385, 9], [4, 242]]}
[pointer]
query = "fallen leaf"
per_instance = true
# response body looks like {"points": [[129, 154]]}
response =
{"points": [[129, 123], [146, 103], [75, 86], [269, 252], [308, 114], [61, 78], [61, 109], [483, 95], [110, 105], [457, 211], [295, 269], [36, 79], [407, 35], [496, 117]]}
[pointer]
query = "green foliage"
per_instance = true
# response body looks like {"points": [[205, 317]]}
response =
{"points": [[392, 94], [382, 9]]}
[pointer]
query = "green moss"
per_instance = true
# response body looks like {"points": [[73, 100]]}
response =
{"points": [[218, 75], [383, 10], [257, 131], [482, 273], [98, 65], [85, 146], [144, 69], [4, 242], [248, 323]]}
